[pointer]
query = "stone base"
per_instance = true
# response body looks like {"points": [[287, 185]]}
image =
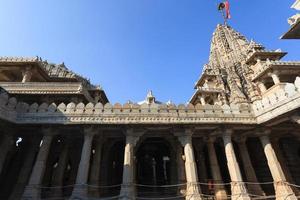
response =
{"points": [[193, 192], [79, 192], [127, 192], [31, 193], [220, 194], [239, 191], [193, 197], [284, 192]]}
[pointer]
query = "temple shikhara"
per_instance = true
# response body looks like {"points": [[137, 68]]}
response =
{"points": [[237, 138]]}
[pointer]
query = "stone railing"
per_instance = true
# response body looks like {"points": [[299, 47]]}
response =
{"points": [[134, 113], [21, 112], [282, 100]]}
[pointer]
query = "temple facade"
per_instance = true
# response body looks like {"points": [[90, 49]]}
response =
{"points": [[237, 138]]}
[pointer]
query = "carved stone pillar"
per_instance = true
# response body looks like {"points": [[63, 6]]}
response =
{"points": [[193, 191], [202, 100], [27, 74], [282, 190], [6, 145], [32, 191], [220, 191], [181, 169], [262, 87], [25, 171], [58, 174], [128, 188], [95, 168], [249, 170], [238, 188], [275, 77], [80, 189]]}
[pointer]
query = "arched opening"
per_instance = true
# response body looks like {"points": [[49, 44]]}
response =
{"points": [[155, 166]]}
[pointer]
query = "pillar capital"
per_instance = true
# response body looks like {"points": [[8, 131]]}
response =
{"points": [[185, 139], [263, 132], [227, 133], [48, 131], [133, 135], [183, 132], [210, 139], [90, 130], [241, 139], [134, 132]]}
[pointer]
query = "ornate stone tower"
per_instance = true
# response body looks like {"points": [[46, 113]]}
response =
{"points": [[229, 76]]}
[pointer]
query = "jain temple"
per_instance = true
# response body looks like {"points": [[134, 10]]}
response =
{"points": [[238, 137]]}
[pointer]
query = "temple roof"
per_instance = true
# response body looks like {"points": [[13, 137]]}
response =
{"points": [[47, 78], [57, 71]]}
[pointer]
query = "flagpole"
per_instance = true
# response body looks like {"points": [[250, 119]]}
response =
{"points": [[225, 20], [221, 8]]}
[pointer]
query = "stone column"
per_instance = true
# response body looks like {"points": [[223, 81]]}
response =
{"points": [[32, 191], [220, 191], [6, 145], [275, 77], [238, 188], [95, 168], [25, 171], [180, 170], [282, 190], [262, 87], [27, 73], [249, 170], [193, 191], [58, 174], [80, 189], [128, 188], [202, 100]]}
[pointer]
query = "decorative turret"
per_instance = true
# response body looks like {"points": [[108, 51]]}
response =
{"points": [[235, 66], [150, 99], [294, 21]]}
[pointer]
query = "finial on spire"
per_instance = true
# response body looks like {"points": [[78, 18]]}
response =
{"points": [[150, 98]]}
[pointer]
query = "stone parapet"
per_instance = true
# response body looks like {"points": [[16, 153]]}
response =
{"points": [[280, 101]]}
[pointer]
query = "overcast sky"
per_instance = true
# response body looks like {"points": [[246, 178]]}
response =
{"points": [[132, 46]]}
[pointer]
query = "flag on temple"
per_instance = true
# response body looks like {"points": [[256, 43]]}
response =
{"points": [[225, 5], [227, 9]]}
